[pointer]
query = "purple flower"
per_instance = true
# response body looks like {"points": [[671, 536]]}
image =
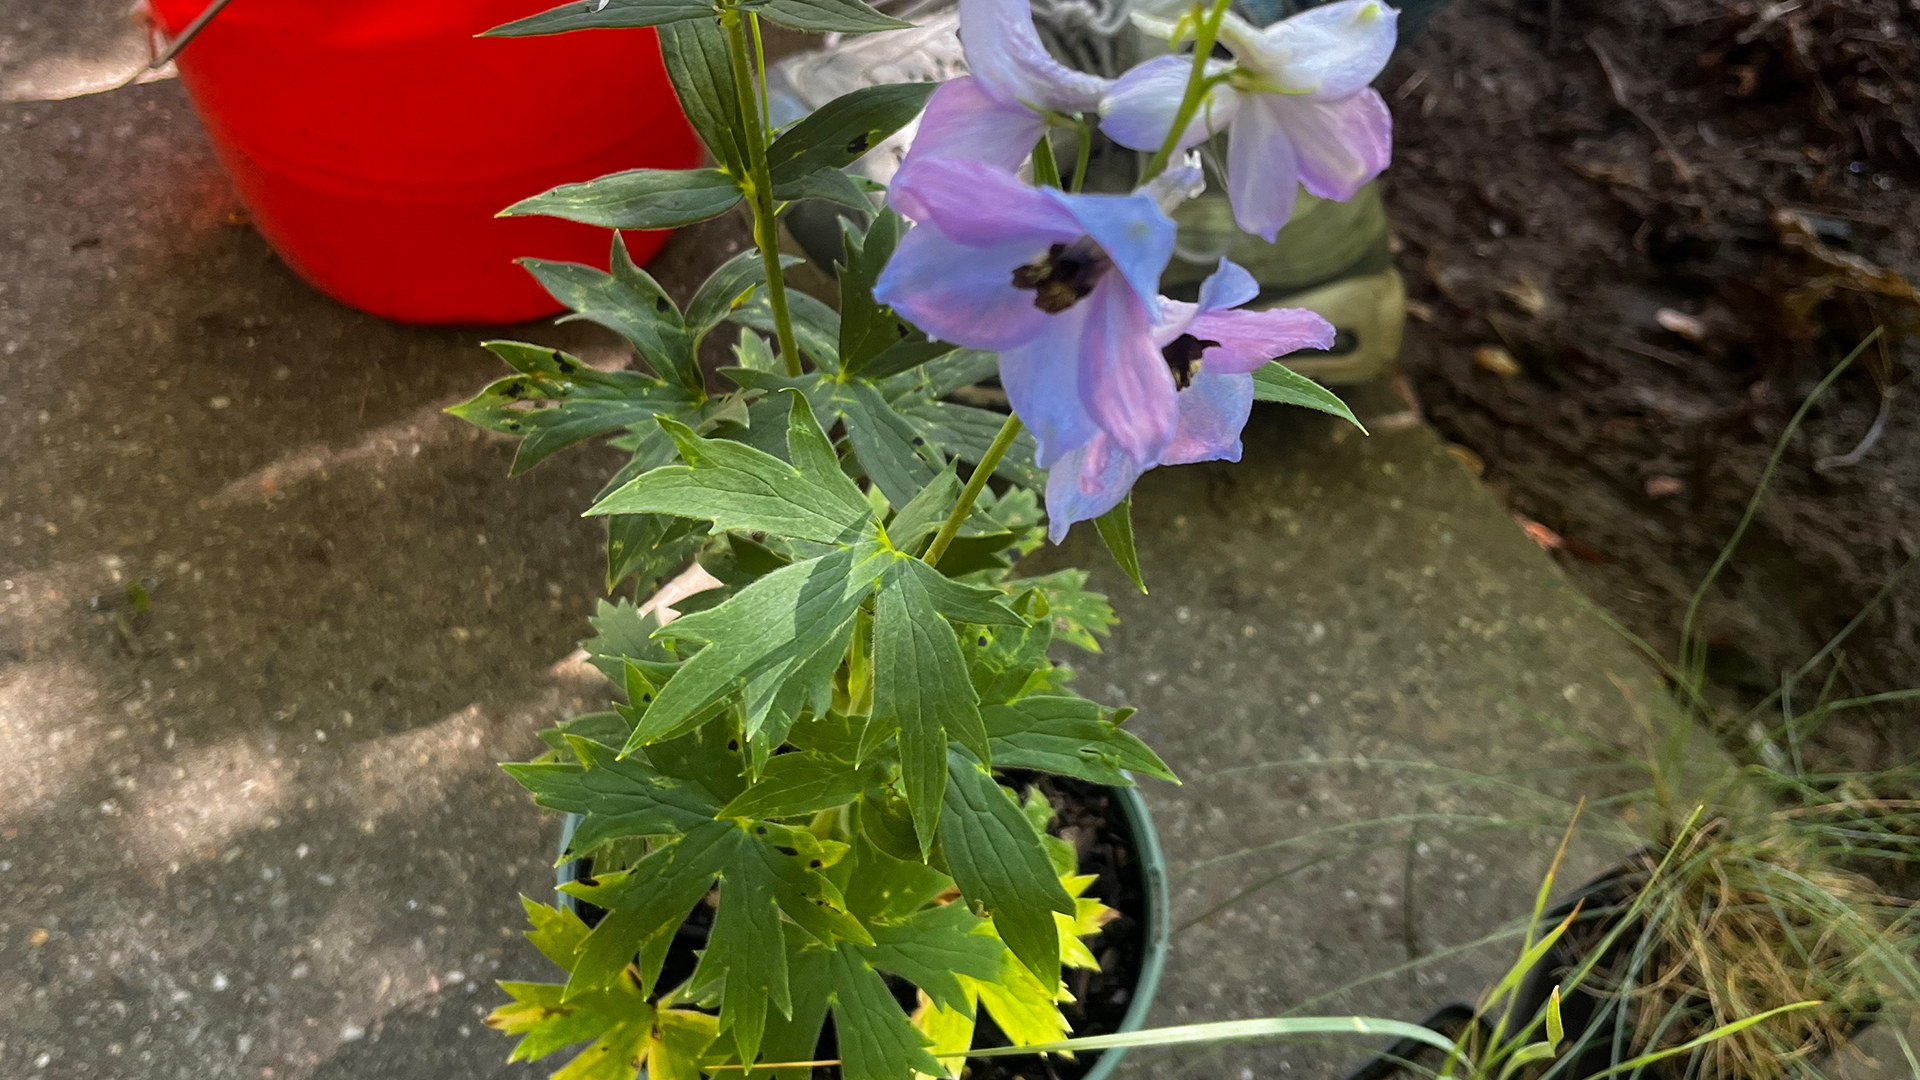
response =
{"points": [[997, 113], [1295, 103], [1211, 352], [1064, 287]]}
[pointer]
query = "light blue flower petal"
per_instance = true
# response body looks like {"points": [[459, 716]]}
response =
{"points": [[1329, 51], [1263, 175], [1140, 107], [1132, 231], [1228, 286], [1341, 144], [1124, 381], [1247, 340], [962, 293], [976, 204], [1213, 412], [1004, 52], [1042, 380], [1087, 483], [962, 123]]}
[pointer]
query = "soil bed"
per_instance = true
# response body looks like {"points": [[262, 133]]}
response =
{"points": [[1675, 217]]}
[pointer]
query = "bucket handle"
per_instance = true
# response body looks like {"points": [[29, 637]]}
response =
{"points": [[165, 50]]}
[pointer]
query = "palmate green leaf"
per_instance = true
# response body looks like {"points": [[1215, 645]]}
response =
{"points": [[604, 14], [1116, 531], [1002, 661], [621, 633], [776, 870], [877, 1041], [1069, 736], [997, 859], [695, 52], [950, 372], [764, 870], [615, 796], [844, 129], [881, 888], [867, 327], [618, 1020], [774, 646], [557, 932], [1080, 616], [738, 487], [637, 199], [1278, 382], [923, 514], [1021, 1005], [626, 300], [605, 728], [966, 432], [649, 546], [932, 947], [894, 454], [826, 16], [802, 783], [679, 1044], [816, 327], [921, 689], [556, 400]]}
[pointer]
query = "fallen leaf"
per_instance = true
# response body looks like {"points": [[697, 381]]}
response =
{"points": [[1545, 538], [1497, 360]]}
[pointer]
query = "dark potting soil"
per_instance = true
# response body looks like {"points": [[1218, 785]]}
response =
{"points": [[1090, 817]]}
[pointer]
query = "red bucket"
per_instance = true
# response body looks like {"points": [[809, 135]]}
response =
{"points": [[374, 141]]}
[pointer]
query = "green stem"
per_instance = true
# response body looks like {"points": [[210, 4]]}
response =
{"points": [[1203, 35], [759, 185], [975, 484]]}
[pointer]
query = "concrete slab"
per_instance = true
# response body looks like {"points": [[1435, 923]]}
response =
{"points": [[257, 832], [1336, 624]]}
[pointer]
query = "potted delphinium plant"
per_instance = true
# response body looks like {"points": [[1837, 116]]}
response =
{"points": [[818, 823]]}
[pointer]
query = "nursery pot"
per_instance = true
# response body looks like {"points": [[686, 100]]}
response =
{"points": [[374, 141], [1149, 887], [1589, 1018]]}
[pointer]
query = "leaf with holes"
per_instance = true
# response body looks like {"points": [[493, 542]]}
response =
{"points": [[556, 400], [838, 133], [626, 300]]}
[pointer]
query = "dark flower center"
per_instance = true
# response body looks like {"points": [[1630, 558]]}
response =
{"points": [[1182, 353], [1064, 275]]}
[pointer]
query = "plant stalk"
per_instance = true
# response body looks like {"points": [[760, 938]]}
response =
{"points": [[759, 179], [975, 484], [1203, 34]]}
